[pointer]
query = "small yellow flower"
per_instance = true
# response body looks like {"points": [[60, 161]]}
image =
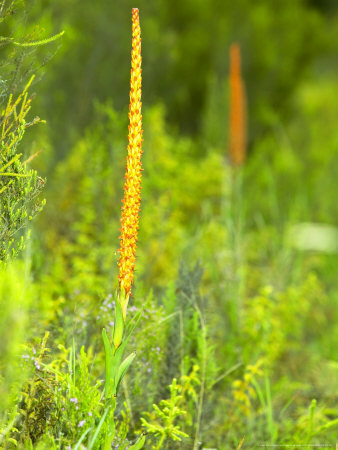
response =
{"points": [[132, 185]]}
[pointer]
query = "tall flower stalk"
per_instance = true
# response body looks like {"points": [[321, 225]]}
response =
{"points": [[238, 119], [116, 366], [132, 185], [237, 150]]}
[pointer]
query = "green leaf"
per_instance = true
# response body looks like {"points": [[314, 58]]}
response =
{"points": [[10, 162], [118, 326], [109, 364], [83, 435], [11, 174], [132, 325], [116, 362], [139, 443], [123, 368], [42, 42], [92, 441]]}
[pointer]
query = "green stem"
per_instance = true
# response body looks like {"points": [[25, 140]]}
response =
{"points": [[111, 425], [159, 446]]}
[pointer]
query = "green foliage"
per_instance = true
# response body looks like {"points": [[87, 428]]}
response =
{"points": [[275, 323], [162, 421], [22, 46], [116, 367], [41, 42], [19, 186], [16, 299]]}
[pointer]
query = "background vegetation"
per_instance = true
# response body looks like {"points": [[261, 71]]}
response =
{"points": [[236, 275]]}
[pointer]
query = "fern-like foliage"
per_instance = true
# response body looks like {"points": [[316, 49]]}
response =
{"points": [[40, 42], [163, 420], [19, 186], [22, 48]]}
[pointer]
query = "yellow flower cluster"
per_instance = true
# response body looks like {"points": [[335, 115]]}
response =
{"points": [[132, 185], [243, 390]]}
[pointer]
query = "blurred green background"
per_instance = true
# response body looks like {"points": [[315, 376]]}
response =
{"points": [[185, 57], [289, 62]]}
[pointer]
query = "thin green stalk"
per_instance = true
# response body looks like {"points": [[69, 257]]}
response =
{"points": [[182, 341], [93, 439], [111, 425], [203, 372]]}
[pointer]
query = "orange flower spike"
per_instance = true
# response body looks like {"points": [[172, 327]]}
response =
{"points": [[132, 184], [237, 131]]}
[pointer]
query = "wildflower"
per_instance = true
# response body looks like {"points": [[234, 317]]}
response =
{"points": [[237, 131], [132, 185], [81, 423], [73, 400]]}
